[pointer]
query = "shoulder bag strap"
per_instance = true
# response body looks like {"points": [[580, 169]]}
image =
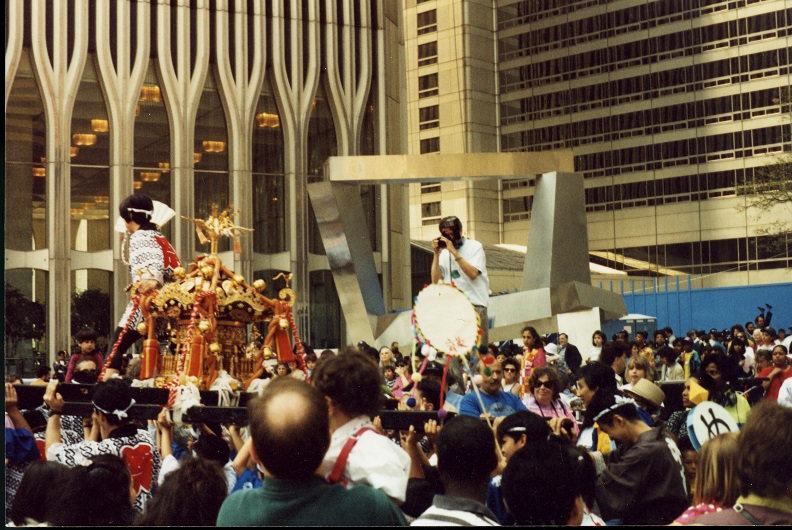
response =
{"points": [[336, 474], [739, 508]]}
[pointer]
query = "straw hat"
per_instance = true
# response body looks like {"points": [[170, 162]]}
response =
{"points": [[647, 391]]}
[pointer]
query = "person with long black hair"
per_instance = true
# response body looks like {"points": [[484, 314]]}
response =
{"points": [[597, 385], [152, 262]]}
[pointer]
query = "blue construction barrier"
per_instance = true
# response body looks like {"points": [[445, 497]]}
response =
{"points": [[675, 304]]}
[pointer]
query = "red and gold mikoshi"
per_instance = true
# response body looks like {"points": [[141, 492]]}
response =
{"points": [[210, 308]]}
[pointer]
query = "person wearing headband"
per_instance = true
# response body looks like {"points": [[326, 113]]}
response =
{"points": [[112, 433], [152, 262], [643, 481]]}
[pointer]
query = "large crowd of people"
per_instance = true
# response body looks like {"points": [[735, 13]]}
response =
{"points": [[535, 434]]}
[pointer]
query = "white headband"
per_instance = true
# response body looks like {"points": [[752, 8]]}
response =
{"points": [[121, 414], [620, 401], [148, 212]]}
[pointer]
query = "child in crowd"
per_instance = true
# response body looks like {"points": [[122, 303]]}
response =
{"points": [[393, 381], [310, 363], [86, 339], [690, 460], [715, 483]]}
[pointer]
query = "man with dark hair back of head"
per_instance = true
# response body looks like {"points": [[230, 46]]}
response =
{"points": [[764, 470], [43, 374], [216, 449], [514, 432], [614, 354], [466, 456], [290, 428], [541, 484], [644, 481], [352, 385], [111, 400]]}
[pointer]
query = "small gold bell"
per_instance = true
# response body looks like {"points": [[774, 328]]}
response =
{"points": [[204, 326], [259, 284], [207, 271], [284, 324], [239, 278], [142, 328], [215, 347], [179, 273]]}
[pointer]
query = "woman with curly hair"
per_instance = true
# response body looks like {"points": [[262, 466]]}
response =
{"points": [[544, 399]]}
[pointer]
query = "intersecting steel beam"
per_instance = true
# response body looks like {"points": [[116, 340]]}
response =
{"points": [[556, 275], [408, 169], [342, 225]]}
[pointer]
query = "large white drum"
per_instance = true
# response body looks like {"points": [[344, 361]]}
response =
{"points": [[446, 319]]}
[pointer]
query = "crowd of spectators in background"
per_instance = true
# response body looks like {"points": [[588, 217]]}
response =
{"points": [[538, 433]]}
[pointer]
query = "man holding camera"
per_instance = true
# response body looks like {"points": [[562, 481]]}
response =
{"points": [[461, 262]]}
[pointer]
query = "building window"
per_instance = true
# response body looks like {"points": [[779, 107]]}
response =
{"points": [[517, 208], [430, 213], [427, 86], [430, 145], [427, 22], [429, 117], [25, 163], [432, 187], [427, 53]]}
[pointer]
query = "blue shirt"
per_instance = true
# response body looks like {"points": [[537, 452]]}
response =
{"points": [[501, 404]]}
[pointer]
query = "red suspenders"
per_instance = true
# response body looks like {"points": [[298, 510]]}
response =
{"points": [[336, 475]]}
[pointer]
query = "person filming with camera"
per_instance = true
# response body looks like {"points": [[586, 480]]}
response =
{"points": [[461, 262]]}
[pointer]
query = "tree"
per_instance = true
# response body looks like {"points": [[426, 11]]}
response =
{"points": [[25, 319], [91, 308]]}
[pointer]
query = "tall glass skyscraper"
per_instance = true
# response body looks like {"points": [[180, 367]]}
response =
{"points": [[193, 103]]}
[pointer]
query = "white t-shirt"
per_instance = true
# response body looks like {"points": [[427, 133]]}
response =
{"points": [[785, 393], [374, 460], [472, 252], [750, 360], [593, 354]]}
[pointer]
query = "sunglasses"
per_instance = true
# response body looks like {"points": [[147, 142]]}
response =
{"points": [[546, 384], [510, 369]]}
